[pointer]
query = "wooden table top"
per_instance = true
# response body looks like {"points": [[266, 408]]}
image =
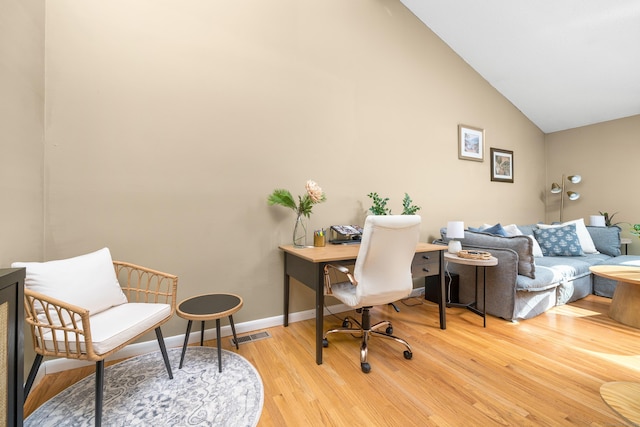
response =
{"points": [[471, 261], [624, 398], [621, 273], [332, 252]]}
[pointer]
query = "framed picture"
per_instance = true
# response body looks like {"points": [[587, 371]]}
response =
{"points": [[501, 165], [470, 143]]}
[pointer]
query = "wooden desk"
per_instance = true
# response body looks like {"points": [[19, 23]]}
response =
{"points": [[307, 266], [626, 298]]}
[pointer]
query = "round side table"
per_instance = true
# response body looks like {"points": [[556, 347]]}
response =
{"points": [[209, 307], [478, 263]]}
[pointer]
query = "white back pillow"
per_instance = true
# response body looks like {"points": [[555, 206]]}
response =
{"points": [[88, 281]]}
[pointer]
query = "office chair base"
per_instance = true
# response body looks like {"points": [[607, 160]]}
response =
{"points": [[366, 332]]}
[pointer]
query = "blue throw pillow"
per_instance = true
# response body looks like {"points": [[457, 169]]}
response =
{"points": [[497, 230], [560, 241]]}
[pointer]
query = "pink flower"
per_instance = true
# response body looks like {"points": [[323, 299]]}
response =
{"points": [[314, 191]]}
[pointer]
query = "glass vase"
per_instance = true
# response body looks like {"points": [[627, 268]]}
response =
{"points": [[300, 232]]}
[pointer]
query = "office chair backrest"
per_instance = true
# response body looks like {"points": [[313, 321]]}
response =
{"points": [[383, 266]]}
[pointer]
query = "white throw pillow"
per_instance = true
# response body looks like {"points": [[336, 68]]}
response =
{"points": [[536, 250], [588, 247], [88, 281], [512, 229]]}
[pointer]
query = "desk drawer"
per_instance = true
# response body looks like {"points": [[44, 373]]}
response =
{"points": [[425, 264]]}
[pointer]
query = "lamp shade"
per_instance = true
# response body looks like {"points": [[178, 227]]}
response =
{"points": [[574, 178], [455, 229], [573, 195], [555, 188], [597, 221]]}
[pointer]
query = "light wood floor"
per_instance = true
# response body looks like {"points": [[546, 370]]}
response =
{"points": [[545, 371]]}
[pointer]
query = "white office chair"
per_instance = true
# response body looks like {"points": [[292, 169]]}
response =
{"points": [[382, 274]]}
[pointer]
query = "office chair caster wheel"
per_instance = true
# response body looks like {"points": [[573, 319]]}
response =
{"points": [[408, 355], [325, 342], [389, 330], [366, 368]]}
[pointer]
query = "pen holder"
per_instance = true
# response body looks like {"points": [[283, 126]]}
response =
{"points": [[319, 240]]}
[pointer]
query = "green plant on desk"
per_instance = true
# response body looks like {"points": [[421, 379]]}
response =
{"points": [[635, 230], [379, 205]]}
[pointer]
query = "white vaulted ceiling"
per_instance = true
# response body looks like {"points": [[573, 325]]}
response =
{"points": [[563, 63]]}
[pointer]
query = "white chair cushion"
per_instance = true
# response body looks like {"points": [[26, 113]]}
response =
{"points": [[117, 325], [345, 292], [88, 281]]}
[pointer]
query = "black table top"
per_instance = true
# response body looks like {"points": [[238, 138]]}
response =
{"points": [[210, 306]]}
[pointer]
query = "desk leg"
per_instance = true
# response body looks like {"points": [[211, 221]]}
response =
{"points": [[287, 284], [442, 303], [319, 314]]}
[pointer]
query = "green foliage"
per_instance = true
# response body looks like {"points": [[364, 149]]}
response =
{"points": [[407, 207], [608, 218], [635, 230], [283, 198], [379, 205]]}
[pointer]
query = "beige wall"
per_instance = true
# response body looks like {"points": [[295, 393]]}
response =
{"points": [[606, 156], [21, 129]]}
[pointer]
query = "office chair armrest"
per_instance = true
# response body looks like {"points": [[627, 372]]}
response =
{"points": [[341, 269], [142, 284]]}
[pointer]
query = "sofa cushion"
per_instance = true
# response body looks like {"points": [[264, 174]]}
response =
{"points": [[584, 237], [520, 244], [546, 278], [570, 267], [559, 241], [606, 239]]}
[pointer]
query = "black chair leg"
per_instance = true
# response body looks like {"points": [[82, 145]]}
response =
{"points": [[32, 375], [163, 349], [99, 392]]}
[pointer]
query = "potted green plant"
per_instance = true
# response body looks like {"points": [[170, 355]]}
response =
{"points": [[379, 205]]}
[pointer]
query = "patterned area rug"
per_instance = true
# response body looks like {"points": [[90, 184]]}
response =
{"points": [[138, 392]]}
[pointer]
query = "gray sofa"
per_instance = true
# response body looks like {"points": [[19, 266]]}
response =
{"points": [[522, 285]]}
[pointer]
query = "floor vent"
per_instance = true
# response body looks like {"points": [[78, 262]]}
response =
{"points": [[250, 338]]}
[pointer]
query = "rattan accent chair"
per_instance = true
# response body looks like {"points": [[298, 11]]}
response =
{"points": [[382, 275], [89, 307]]}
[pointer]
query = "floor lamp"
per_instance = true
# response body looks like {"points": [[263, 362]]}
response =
{"points": [[559, 189]]}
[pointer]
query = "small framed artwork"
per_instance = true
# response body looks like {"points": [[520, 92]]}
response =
{"points": [[501, 165], [470, 143]]}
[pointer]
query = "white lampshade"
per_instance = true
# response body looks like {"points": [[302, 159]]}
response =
{"points": [[597, 221], [455, 230]]}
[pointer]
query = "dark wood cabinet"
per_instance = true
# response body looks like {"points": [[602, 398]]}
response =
{"points": [[11, 345]]}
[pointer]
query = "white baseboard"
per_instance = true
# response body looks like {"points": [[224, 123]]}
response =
{"points": [[61, 364]]}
